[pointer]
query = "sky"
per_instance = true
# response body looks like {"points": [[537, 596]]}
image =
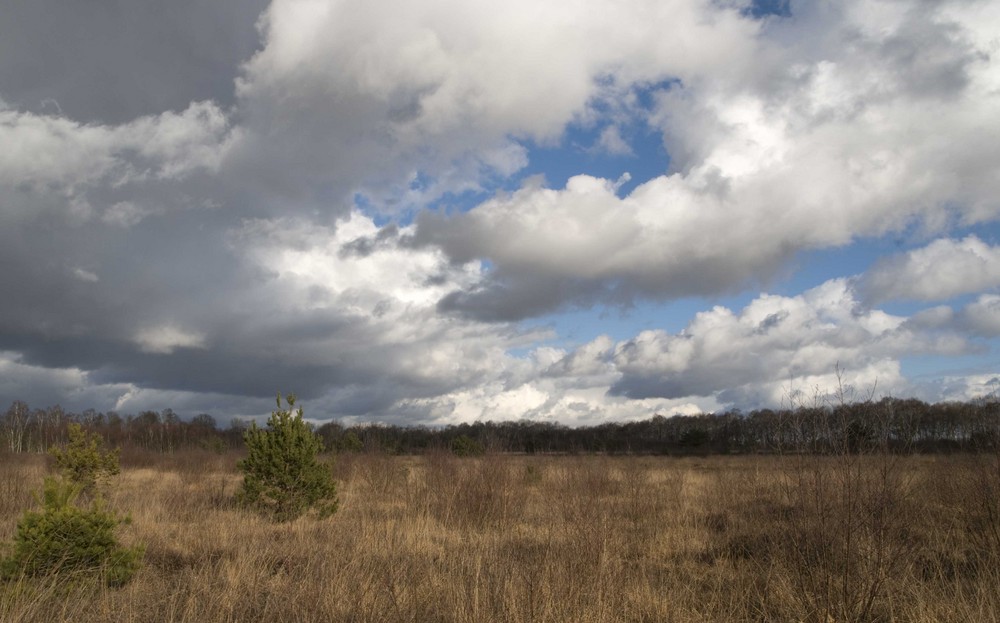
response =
{"points": [[441, 211]]}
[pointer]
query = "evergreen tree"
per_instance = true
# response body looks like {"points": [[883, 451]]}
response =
{"points": [[66, 537], [281, 474], [82, 461]]}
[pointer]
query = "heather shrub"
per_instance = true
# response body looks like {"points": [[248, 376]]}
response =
{"points": [[281, 474], [64, 537]]}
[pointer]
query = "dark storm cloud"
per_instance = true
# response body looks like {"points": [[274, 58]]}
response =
{"points": [[110, 61], [159, 267], [499, 300]]}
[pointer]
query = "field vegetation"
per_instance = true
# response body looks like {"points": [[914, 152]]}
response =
{"points": [[849, 536]]}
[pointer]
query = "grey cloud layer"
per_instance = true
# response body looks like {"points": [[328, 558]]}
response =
{"points": [[110, 61]]}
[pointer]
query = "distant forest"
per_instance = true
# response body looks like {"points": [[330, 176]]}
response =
{"points": [[890, 424]]}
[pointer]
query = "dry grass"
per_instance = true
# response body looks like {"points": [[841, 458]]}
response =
{"points": [[536, 539]]}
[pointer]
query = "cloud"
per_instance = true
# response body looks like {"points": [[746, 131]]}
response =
{"points": [[124, 214], [958, 387], [201, 219], [165, 339], [85, 275], [543, 400], [355, 330], [773, 342], [42, 386], [584, 245], [611, 141], [365, 96], [982, 316], [109, 63], [57, 167], [295, 309], [839, 117], [939, 271]]}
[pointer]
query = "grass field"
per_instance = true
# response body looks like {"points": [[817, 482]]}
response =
{"points": [[555, 538]]}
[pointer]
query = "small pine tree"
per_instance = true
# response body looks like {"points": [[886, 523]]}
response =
{"points": [[65, 537], [463, 445], [281, 474], [82, 462], [350, 442]]}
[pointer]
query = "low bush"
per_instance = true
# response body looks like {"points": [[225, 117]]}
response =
{"points": [[63, 537]]}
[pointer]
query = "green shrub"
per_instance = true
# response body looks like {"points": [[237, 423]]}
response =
{"points": [[350, 442], [463, 445], [82, 462], [281, 474], [212, 444], [63, 537]]}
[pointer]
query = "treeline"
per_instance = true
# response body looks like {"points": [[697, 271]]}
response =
{"points": [[892, 424], [23, 429]]}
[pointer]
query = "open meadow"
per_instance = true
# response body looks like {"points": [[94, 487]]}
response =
{"points": [[518, 538]]}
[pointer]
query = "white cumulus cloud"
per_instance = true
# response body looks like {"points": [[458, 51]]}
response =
{"points": [[773, 342], [939, 271]]}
